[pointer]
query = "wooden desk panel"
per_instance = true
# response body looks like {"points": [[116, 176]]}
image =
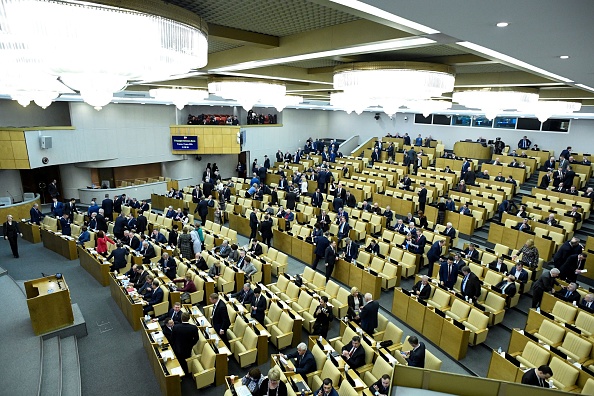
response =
{"points": [[472, 150], [60, 245], [433, 326], [239, 224], [400, 304], [282, 241], [502, 369], [31, 232], [415, 316], [342, 271], [49, 304], [94, 266], [132, 312], [454, 341]]}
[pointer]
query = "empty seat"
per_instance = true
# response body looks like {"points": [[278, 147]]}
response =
{"points": [[477, 324], [459, 310], [533, 355], [202, 367], [576, 347], [281, 334], [440, 299], [550, 333], [564, 312], [495, 305], [585, 322]]}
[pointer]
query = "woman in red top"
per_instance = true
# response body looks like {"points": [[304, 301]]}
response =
{"points": [[102, 241], [189, 287]]}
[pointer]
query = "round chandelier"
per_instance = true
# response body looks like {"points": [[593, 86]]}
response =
{"points": [[390, 84], [180, 97], [250, 92], [543, 110], [493, 101], [97, 48]]}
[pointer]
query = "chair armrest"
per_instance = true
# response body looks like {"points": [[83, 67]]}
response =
{"points": [[379, 335], [364, 368], [208, 370]]}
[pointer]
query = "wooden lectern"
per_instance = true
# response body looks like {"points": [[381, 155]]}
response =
{"points": [[49, 304]]}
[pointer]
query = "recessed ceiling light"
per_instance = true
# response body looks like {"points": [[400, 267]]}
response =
{"points": [[502, 24], [564, 57]]}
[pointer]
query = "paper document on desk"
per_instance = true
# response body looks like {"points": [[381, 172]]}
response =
{"points": [[177, 371], [152, 325], [167, 355], [283, 360], [243, 391], [328, 348]]}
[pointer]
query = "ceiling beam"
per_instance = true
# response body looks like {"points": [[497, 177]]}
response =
{"points": [[242, 37], [454, 60], [518, 78]]}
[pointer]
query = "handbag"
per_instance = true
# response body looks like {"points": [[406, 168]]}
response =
{"points": [[386, 343], [185, 296]]}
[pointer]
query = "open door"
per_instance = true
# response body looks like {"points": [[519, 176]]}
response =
{"points": [[243, 158]]}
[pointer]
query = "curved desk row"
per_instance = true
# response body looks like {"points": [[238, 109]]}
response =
{"points": [[472, 150], [139, 191], [19, 210]]}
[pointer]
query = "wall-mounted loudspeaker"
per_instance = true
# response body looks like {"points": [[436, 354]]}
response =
{"points": [[45, 142]]}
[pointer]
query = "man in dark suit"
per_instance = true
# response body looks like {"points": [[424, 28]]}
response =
{"points": [[101, 221], [351, 251], [35, 214], [324, 220], [569, 176], [471, 253], [153, 298], [119, 226], [577, 216], [219, 317], [340, 192], [70, 208], [588, 302], [107, 206], [558, 177], [343, 229], [422, 197], [141, 222], [57, 208], [168, 329], [317, 199], [245, 295], [258, 308], [253, 225], [148, 252], [369, 314], [202, 209], [524, 143], [422, 289], [538, 376], [322, 244], [65, 225], [185, 336], [416, 356], [508, 286], [471, 285], [569, 248], [546, 180], [572, 267], [448, 273], [544, 284], [337, 203], [120, 257], [523, 226], [569, 293], [353, 353], [305, 362], [406, 182], [174, 314], [330, 256], [434, 253], [498, 265], [141, 275]]}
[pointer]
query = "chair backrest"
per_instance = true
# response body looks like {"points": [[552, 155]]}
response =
{"points": [[292, 290], [478, 319], [319, 355], [207, 357], [494, 301], [250, 339], [535, 354], [551, 331], [460, 309], [493, 278], [563, 311], [285, 323], [377, 264], [330, 371], [332, 288], [588, 388], [393, 333], [272, 252], [441, 298], [304, 300], [585, 321], [282, 283], [308, 274], [319, 280], [274, 313], [576, 347], [381, 367], [564, 374]]}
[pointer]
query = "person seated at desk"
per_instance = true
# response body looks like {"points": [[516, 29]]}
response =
{"points": [[507, 286], [551, 220], [569, 293], [560, 188], [130, 239], [382, 386], [510, 180], [170, 213], [245, 295], [215, 270], [416, 356], [326, 389], [253, 379], [223, 250], [514, 164], [572, 191], [150, 299], [168, 264], [522, 212], [422, 289], [343, 228], [353, 353], [157, 237], [255, 247], [498, 265], [174, 314], [520, 273], [188, 287], [120, 257], [523, 226], [586, 161], [499, 177], [484, 175], [400, 227], [147, 286], [351, 250], [465, 210], [132, 274], [461, 187], [373, 247], [450, 204], [147, 251], [588, 302], [389, 215], [538, 376], [247, 267], [305, 362], [449, 231], [471, 253], [577, 217], [406, 182], [85, 236], [171, 193], [272, 385], [289, 215], [143, 205]]}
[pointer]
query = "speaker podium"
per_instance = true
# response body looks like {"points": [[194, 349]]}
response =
{"points": [[49, 304]]}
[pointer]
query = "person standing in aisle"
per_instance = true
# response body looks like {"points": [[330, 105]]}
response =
{"points": [[11, 232]]}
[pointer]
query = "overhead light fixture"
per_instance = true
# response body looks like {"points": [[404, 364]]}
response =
{"points": [[502, 24], [493, 101], [387, 45], [564, 57], [545, 109], [508, 59], [180, 97], [390, 84], [69, 39], [249, 92]]}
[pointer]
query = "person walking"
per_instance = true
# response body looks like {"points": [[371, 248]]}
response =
{"points": [[11, 232]]}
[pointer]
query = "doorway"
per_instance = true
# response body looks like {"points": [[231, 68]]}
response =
{"points": [[37, 180], [243, 158]]}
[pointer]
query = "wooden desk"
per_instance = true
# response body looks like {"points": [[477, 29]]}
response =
{"points": [[415, 316], [400, 304], [241, 224], [94, 264], [31, 232], [354, 276], [169, 383], [502, 369], [472, 150], [454, 341], [432, 326], [133, 312], [515, 239], [49, 304], [60, 244]]}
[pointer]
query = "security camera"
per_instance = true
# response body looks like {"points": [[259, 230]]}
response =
{"points": [[377, 116], [405, 118]]}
